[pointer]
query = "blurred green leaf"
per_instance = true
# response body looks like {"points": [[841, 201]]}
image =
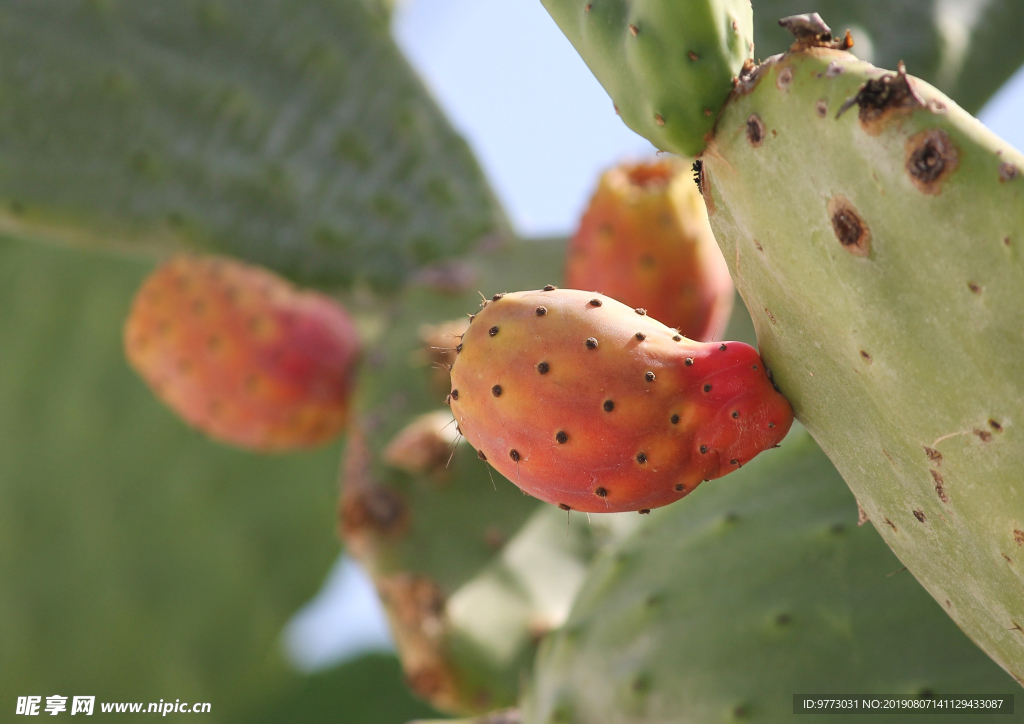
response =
{"points": [[369, 690], [288, 132], [138, 560], [966, 48]]}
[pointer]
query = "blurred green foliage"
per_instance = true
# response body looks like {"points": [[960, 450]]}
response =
{"points": [[138, 560], [368, 690], [291, 133]]}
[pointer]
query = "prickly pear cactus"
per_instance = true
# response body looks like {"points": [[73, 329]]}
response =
{"points": [[667, 64], [593, 406], [774, 591], [242, 355], [875, 231], [645, 241]]}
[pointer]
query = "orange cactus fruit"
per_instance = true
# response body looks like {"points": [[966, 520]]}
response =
{"points": [[590, 405], [243, 355], [645, 240]]}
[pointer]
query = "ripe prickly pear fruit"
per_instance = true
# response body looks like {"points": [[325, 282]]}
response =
{"points": [[586, 403], [241, 354], [667, 64], [645, 240]]}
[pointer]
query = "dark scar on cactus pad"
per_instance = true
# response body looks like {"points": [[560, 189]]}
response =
{"points": [[851, 230], [881, 95], [995, 425], [931, 158], [919, 514], [755, 130]]}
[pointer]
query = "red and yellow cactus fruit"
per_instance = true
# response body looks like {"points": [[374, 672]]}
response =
{"points": [[645, 240], [586, 403], [242, 355]]}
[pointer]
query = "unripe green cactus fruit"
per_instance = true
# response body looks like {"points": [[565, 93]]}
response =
{"points": [[773, 591], [667, 64], [880, 255]]}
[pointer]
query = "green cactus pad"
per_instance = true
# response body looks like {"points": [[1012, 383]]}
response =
{"points": [[138, 558], [881, 255], [754, 589], [292, 134], [667, 64]]}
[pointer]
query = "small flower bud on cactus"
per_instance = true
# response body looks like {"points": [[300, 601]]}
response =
{"points": [[645, 240], [241, 354], [600, 408]]}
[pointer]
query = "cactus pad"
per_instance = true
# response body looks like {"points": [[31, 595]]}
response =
{"points": [[724, 608], [880, 255], [667, 64]]}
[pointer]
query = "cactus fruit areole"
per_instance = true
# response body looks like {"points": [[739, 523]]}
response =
{"points": [[667, 64], [880, 253], [645, 240], [586, 403], [241, 354]]}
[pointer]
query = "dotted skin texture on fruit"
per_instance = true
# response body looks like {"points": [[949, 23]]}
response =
{"points": [[242, 355], [645, 240], [586, 403], [668, 65]]}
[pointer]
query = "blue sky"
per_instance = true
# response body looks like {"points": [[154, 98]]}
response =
{"points": [[543, 129]]}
